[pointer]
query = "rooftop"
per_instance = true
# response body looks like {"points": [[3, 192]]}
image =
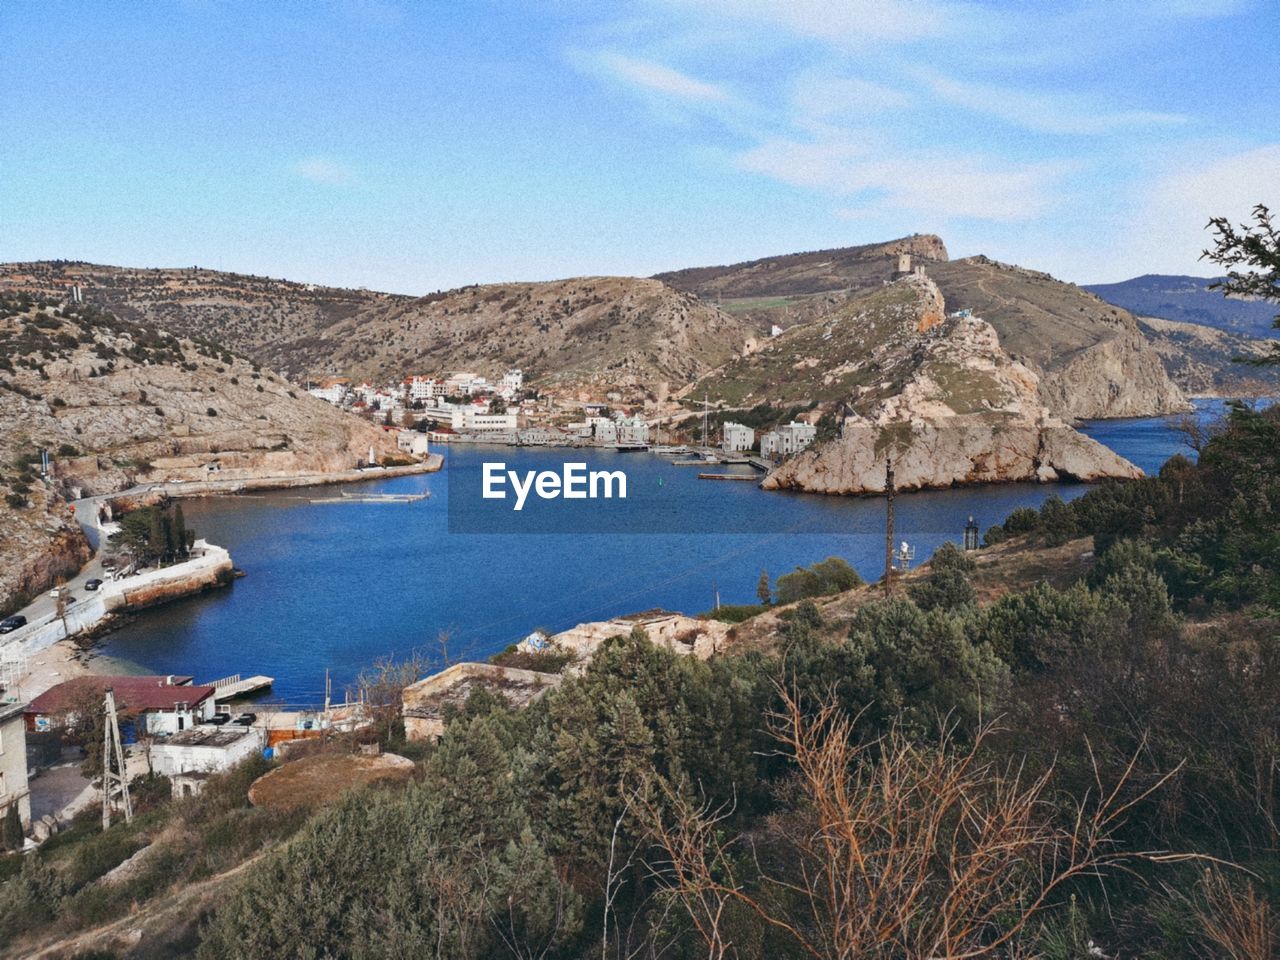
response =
{"points": [[207, 735], [8, 710], [132, 693]]}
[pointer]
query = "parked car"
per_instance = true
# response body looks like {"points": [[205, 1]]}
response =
{"points": [[245, 719], [10, 624], [93, 584], [218, 719], [55, 593]]}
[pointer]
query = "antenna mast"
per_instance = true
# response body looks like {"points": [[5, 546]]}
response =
{"points": [[888, 527], [111, 747]]}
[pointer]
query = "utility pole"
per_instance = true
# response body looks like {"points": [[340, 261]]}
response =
{"points": [[111, 746], [888, 527]]}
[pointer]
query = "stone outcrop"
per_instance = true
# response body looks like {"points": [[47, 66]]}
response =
{"points": [[965, 413], [1121, 377]]}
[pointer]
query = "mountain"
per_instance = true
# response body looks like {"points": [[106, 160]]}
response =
{"points": [[257, 317], [1189, 300], [1205, 361], [602, 335], [1091, 358], [116, 403], [893, 376]]}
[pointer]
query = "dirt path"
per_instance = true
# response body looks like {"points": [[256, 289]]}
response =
{"points": [[164, 918]]}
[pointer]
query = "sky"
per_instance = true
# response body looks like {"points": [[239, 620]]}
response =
{"points": [[418, 146]]}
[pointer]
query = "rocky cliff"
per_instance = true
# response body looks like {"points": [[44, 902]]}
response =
{"points": [[115, 403], [948, 406]]}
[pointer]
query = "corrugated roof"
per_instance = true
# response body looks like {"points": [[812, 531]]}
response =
{"points": [[132, 693]]}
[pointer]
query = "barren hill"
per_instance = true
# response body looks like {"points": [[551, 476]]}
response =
{"points": [[893, 376], [601, 333], [1092, 357], [116, 403], [258, 317]]}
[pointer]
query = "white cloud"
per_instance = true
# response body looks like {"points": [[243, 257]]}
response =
{"points": [[661, 79], [943, 184], [845, 23], [1043, 112], [818, 96], [1169, 226], [323, 170]]}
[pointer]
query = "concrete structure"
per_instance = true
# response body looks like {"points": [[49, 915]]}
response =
{"points": [[189, 757], [633, 431], [424, 388], [163, 705], [334, 390], [426, 702], [603, 430], [209, 566], [13, 763], [737, 437], [468, 419], [788, 439], [414, 443], [513, 381]]}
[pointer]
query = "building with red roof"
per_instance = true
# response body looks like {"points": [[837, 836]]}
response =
{"points": [[161, 705]]}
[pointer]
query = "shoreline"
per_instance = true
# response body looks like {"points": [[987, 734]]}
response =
{"points": [[44, 665]]}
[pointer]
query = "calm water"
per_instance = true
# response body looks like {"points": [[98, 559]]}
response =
{"points": [[339, 585]]}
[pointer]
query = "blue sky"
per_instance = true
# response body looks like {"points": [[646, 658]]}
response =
{"points": [[418, 146]]}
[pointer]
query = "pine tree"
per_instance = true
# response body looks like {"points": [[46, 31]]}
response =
{"points": [[762, 588]]}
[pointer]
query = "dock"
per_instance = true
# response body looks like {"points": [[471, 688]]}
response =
{"points": [[728, 476], [233, 687], [346, 497]]}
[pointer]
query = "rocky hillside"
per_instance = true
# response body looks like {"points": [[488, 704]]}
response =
{"points": [[257, 317], [600, 334], [117, 403], [1092, 358], [801, 275], [1189, 300], [897, 377], [1204, 361]]}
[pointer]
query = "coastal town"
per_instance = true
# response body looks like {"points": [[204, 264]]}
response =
{"points": [[465, 407]]}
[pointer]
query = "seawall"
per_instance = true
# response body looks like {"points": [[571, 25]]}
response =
{"points": [[211, 568]]}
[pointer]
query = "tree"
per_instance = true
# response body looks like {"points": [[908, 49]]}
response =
{"points": [[832, 575], [762, 588], [948, 586], [11, 830], [1256, 248]]}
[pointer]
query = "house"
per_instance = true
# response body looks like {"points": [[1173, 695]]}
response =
{"points": [[788, 439], [162, 705], [424, 388], [190, 757], [333, 390], [13, 763], [737, 437], [427, 703], [414, 443], [603, 429], [473, 419], [633, 431]]}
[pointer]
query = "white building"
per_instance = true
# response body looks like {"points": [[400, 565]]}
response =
{"points": [[188, 758], [13, 763], [788, 439], [413, 442], [737, 437], [633, 431], [603, 429], [470, 419], [424, 388], [334, 390], [513, 381]]}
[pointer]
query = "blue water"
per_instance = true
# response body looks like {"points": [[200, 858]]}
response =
{"points": [[338, 585]]}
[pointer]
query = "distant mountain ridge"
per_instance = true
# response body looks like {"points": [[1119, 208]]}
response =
{"points": [[1189, 300]]}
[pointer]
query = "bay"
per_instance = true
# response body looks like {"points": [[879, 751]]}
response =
{"points": [[337, 585]]}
